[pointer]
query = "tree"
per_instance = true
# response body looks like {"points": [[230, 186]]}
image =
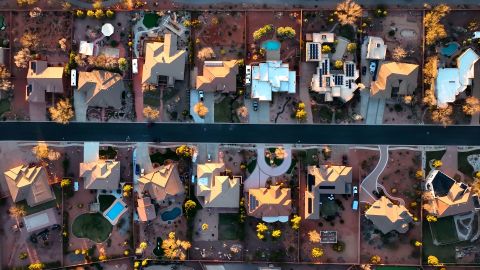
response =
{"points": [[204, 226], [17, 211], [62, 112], [143, 245], [5, 83], [471, 106], [417, 243], [175, 248], [184, 151], [242, 112], [90, 13], [419, 174], [63, 44], [99, 14], [122, 64], [189, 205], [260, 236], [314, 236], [41, 150], [30, 40], [437, 163], [295, 222], [476, 186], [300, 113], [286, 32], [102, 257], [200, 109], [317, 252], [79, 13], [338, 64], [429, 99], [399, 53], [326, 49], [434, 29], [280, 153], [375, 259], [110, 13], [431, 218], [431, 69], [22, 58], [206, 53], [351, 47], [348, 12], [276, 233], [443, 115], [127, 189], [261, 32], [261, 227], [26, 2], [150, 113], [432, 260], [36, 266], [97, 4]]}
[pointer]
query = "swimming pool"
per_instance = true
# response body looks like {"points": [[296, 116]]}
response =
{"points": [[114, 212], [171, 214], [450, 49], [271, 45]]}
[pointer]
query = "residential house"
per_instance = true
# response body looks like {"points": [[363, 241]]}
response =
{"points": [[164, 62], [98, 173], [29, 183], [452, 81], [335, 83], [218, 76], [161, 183], [145, 209], [447, 197], [325, 179], [215, 188], [270, 204], [387, 216], [101, 88], [43, 79], [376, 48], [272, 76], [395, 79], [313, 45]]}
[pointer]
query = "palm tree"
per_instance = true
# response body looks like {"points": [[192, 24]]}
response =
{"points": [[17, 211], [348, 12]]}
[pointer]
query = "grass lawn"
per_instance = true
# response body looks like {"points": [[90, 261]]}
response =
{"points": [[294, 163], [223, 111], [276, 161], [109, 153], [463, 164], [105, 201], [433, 155], [228, 227], [151, 98], [150, 20], [325, 113], [160, 158], [57, 190], [444, 230], [4, 106], [329, 208], [251, 165], [445, 253], [92, 226], [310, 161]]}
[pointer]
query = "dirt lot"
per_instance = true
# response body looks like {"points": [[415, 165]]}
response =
{"points": [[289, 48], [399, 180]]}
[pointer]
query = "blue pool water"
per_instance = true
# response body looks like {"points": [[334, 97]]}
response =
{"points": [[116, 209], [271, 45], [450, 49], [172, 214]]}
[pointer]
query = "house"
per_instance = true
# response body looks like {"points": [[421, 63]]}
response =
{"points": [[101, 88], [376, 48], [447, 197], [325, 179], [29, 183], [215, 188], [145, 209], [395, 79], [452, 81], [272, 76], [335, 83], [313, 45], [387, 216], [43, 79], [270, 204], [98, 173], [164, 62], [161, 183], [218, 76], [86, 48]]}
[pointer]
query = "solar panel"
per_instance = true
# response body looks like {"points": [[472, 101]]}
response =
{"points": [[338, 79], [313, 51]]}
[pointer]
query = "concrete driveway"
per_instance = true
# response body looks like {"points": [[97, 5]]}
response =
{"points": [[263, 171], [260, 116], [208, 100], [370, 183]]}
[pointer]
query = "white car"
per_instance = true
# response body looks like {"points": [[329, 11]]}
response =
{"points": [[355, 190], [248, 74], [73, 77], [135, 66]]}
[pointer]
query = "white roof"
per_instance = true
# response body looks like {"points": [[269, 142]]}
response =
{"points": [[86, 48], [108, 29], [275, 219], [376, 48], [272, 76], [476, 35], [323, 37], [91, 152], [452, 81]]}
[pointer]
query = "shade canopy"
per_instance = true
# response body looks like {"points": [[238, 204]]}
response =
{"points": [[107, 29]]}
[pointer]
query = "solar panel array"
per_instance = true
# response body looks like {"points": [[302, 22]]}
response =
{"points": [[253, 203], [350, 70], [338, 79], [313, 51], [325, 66]]}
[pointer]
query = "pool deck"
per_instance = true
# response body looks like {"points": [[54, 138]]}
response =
{"points": [[125, 208]]}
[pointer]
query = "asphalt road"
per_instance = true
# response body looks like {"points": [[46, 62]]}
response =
{"points": [[243, 133]]}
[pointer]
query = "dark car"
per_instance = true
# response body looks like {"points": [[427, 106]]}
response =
{"points": [[255, 105], [33, 238], [56, 227], [364, 70], [137, 169]]}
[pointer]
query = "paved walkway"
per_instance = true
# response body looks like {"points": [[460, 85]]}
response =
{"points": [[258, 178], [370, 183]]}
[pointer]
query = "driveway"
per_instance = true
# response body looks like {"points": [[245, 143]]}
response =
{"points": [[260, 116], [370, 183], [80, 108], [263, 171]]}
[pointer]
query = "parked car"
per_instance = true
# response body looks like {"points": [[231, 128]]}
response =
{"points": [[33, 238], [200, 94], [355, 205], [56, 227], [137, 169], [255, 105], [209, 158], [364, 70], [355, 190], [373, 66]]}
